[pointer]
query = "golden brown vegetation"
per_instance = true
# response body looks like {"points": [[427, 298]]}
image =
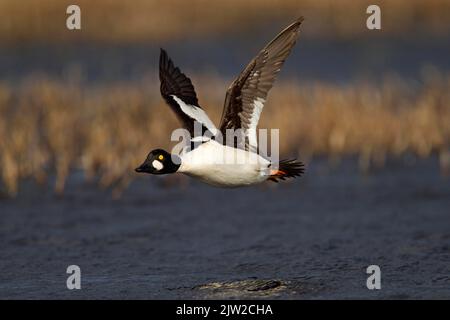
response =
{"points": [[149, 20], [49, 126]]}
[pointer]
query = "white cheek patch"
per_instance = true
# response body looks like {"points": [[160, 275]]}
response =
{"points": [[157, 165]]}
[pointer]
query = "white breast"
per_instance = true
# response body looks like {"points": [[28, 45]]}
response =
{"points": [[224, 166]]}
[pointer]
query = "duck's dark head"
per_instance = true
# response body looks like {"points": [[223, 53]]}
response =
{"points": [[159, 161]]}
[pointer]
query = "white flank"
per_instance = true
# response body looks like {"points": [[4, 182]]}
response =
{"points": [[224, 166]]}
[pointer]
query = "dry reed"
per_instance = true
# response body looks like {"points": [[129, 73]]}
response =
{"points": [[151, 20], [51, 126]]}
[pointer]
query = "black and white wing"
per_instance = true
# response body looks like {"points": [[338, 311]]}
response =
{"points": [[246, 96], [178, 91]]}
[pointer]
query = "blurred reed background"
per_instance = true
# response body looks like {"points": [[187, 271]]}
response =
{"points": [[146, 20], [54, 122]]}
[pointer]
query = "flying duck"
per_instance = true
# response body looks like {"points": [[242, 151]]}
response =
{"points": [[208, 156]]}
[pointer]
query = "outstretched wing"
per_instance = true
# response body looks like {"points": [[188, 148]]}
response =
{"points": [[178, 91], [246, 96]]}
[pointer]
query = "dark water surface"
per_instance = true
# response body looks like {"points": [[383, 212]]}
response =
{"points": [[326, 60], [312, 238]]}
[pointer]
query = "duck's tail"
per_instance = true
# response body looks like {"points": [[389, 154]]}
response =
{"points": [[287, 169]]}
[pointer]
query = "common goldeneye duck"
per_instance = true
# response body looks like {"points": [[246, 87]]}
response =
{"points": [[212, 160], [159, 161]]}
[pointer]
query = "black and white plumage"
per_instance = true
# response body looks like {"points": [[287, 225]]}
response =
{"points": [[246, 96], [179, 93], [244, 101]]}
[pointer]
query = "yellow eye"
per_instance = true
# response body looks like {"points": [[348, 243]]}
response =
{"points": [[161, 157]]}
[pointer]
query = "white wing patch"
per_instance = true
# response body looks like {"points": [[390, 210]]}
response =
{"points": [[258, 105], [196, 113]]}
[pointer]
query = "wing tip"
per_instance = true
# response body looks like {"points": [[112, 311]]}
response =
{"points": [[163, 53], [300, 19], [175, 82], [165, 64], [296, 24], [162, 56]]}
